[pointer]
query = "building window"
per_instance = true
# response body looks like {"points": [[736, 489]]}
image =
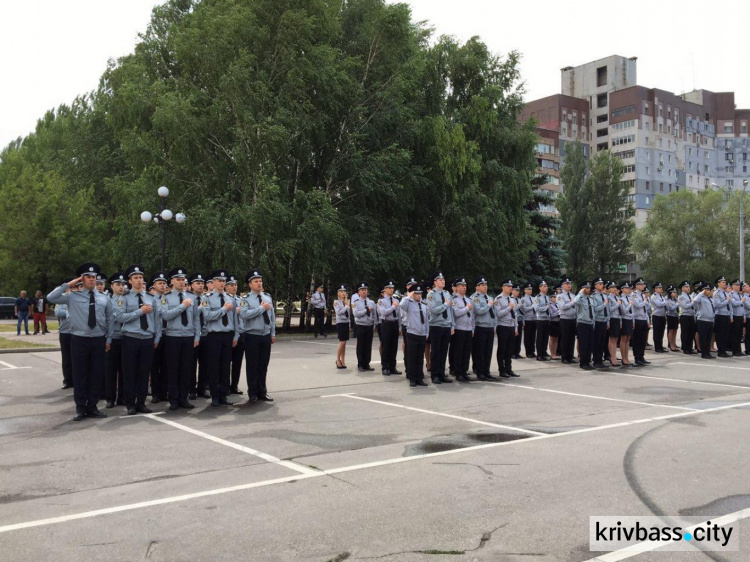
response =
{"points": [[630, 168], [706, 168], [744, 129], [690, 180], [690, 151], [648, 199], [601, 76], [661, 186], [729, 128], [601, 100], [648, 185], [730, 183], [647, 170]]}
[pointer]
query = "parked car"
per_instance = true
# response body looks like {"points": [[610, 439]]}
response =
{"points": [[7, 307]]}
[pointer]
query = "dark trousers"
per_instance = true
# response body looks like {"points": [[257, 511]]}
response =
{"points": [[639, 339], [88, 356], [415, 357], [721, 329], [320, 326], [705, 331], [179, 353], [660, 324], [238, 353], [159, 377], [542, 337], [67, 362], [364, 345], [519, 339], [567, 339], [747, 341], [529, 337], [257, 356], [202, 360], [389, 338], [219, 358], [585, 343], [137, 359], [735, 334], [506, 343], [482, 344], [114, 383], [687, 332], [460, 351], [600, 342], [440, 340]]}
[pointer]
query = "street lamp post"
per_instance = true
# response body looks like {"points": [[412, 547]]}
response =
{"points": [[742, 226], [162, 218]]}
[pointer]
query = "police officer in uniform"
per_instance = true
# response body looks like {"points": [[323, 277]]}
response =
{"points": [[461, 340], [219, 313], [585, 326], [318, 302], [441, 326], [746, 303], [529, 320], [114, 382], [601, 321], [238, 351], [507, 329], [259, 332], [541, 316], [90, 315], [627, 324], [687, 318], [141, 327], [640, 330], [364, 319], [417, 329], [567, 306], [199, 377], [159, 378], [412, 282], [658, 316], [738, 319], [63, 318], [484, 330], [181, 337], [387, 309], [723, 317], [705, 315], [516, 297]]}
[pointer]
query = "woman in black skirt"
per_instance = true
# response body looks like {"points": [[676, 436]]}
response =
{"points": [[627, 322], [341, 308], [673, 318], [615, 321]]}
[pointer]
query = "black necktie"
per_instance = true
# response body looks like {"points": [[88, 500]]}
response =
{"points": [[442, 298], [346, 310], [512, 312], [224, 319], [266, 319], [421, 314], [394, 310], [184, 313], [367, 309], [92, 311], [468, 314], [144, 320], [591, 311], [203, 322], [492, 312]]}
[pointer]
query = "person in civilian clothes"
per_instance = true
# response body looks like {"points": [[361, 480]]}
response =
{"points": [[541, 316], [485, 321], [387, 309], [529, 320], [738, 319], [554, 325], [627, 322], [515, 295], [199, 376], [686, 318], [63, 318], [364, 318], [723, 317], [507, 328], [341, 310], [90, 316], [114, 381], [673, 318], [417, 329], [705, 315], [181, 338], [318, 302], [615, 322], [585, 326], [658, 316], [461, 340], [238, 351], [259, 324]]}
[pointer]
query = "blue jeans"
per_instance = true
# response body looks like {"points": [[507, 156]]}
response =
{"points": [[23, 316]]}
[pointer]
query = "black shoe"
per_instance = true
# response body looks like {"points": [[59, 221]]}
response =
{"points": [[396, 372], [79, 416], [446, 379], [174, 407], [413, 384], [385, 373], [599, 366], [186, 405], [504, 375], [224, 402], [461, 378], [422, 383], [143, 409], [96, 413], [517, 357], [215, 402], [640, 363], [467, 378], [724, 355], [436, 380], [132, 411], [155, 399], [204, 394], [252, 399], [565, 362], [368, 368], [361, 369], [513, 374], [587, 367], [645, 362], [707, 357], [192, 396], [66, 386], [233, 391], [489, 377], [530, 355], [110, 405], [265, 398], [482, 378]]}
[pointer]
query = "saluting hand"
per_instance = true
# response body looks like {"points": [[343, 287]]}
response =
{"points": [[75, 282]]}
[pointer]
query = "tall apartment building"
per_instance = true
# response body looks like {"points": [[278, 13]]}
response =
{"points": [[666, 141]]}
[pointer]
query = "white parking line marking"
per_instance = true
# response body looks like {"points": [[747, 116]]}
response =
{"points": [[648, 546], [141, 415], [9, 367], [712, 365], [313, 474], [314, 342], [593, 396], [266, 457], [421, 411], [680, 380]]}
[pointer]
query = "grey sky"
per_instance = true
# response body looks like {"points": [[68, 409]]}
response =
{"points": [[53, 50]]}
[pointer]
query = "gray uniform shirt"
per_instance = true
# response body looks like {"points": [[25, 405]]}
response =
{"points": [[212, 309], [437, 302], [721, 303], [171, 309], [481, 308], [738, 307], [601, 306], [386, 310], [504, 315], [566, 303], [78, 312], [318, 300], [342, 311], [363, 316], [527, 304], [640, 305], [463, 318], [627, 311], [614, 307], [252, 314], [63, 317], [128, 314], [658, 305], [686, 304], [584, 308], [416, 314], [673, 308], [541, 307], [704, 308]]}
